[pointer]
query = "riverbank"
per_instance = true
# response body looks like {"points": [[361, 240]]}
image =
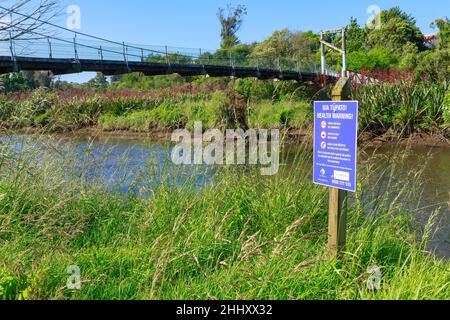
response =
{"points": [[389, 112], [232, 238]]}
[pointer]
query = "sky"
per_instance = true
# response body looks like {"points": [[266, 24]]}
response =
{"points": [[193, 24]]}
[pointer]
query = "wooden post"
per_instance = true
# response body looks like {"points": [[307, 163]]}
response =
{"points": [[337, 206]]}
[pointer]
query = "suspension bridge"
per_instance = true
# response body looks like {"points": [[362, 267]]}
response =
{"points": [[79, 52]]}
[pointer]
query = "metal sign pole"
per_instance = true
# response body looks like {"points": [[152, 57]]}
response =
{"points": [[344, 54], [342, 50], [322, 53]]}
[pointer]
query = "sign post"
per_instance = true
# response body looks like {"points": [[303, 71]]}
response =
{"points": [[335, 155]]}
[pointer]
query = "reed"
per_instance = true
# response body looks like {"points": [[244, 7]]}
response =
{"points": [[236, 235]]}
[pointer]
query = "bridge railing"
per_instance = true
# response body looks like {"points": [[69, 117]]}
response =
{"points": [[79, 47], [71, 44]]}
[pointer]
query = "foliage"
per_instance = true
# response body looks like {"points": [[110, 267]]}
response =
{"points": [[281, 115], [15, 287], [397, 30], [14, 82], [405, 106], [444, 32], [237, 55], [137, 81], [256, 90], [377, 58], [356, 36], [99, 82], [224, 110], [298, 46], [434, 65], [26, 80]]}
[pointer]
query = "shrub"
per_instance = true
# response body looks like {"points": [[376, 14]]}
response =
{"points": [[254, 90], [226, 110]]}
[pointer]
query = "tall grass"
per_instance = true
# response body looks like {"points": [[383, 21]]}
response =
{"points": [[405, 106], [287, 114], [241, 236]]}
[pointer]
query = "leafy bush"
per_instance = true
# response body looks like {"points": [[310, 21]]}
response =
{"points": [[254, 90], [434, 66]]}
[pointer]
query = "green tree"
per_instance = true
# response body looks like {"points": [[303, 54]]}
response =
{"points": [[397, 29], [444, 32], [99, 82], [43, 79], [409, 58], [14, 82], [238, 54], [299, 46], [377, 58], [434, 65], [356, 36], [231, 21]]}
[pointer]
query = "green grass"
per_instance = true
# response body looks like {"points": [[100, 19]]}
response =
{"points": [[288, 114], [242, 237], [216, 113]]}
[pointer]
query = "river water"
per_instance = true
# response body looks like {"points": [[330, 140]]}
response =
{"points": [[122, 165]]}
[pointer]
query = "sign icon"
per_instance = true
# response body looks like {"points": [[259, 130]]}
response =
{"points": [[337, 156]]}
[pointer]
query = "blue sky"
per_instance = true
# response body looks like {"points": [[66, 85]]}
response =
{"points": [[194, 24]]}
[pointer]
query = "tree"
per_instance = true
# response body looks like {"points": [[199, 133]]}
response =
{"points": [[444, 32], [295, 46], [434, 65], [99, 82], [237, 54], [397, 29], [377, 58], [356, 37], [38, 79], [14, 82], [22, 18], [230, 23]]}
